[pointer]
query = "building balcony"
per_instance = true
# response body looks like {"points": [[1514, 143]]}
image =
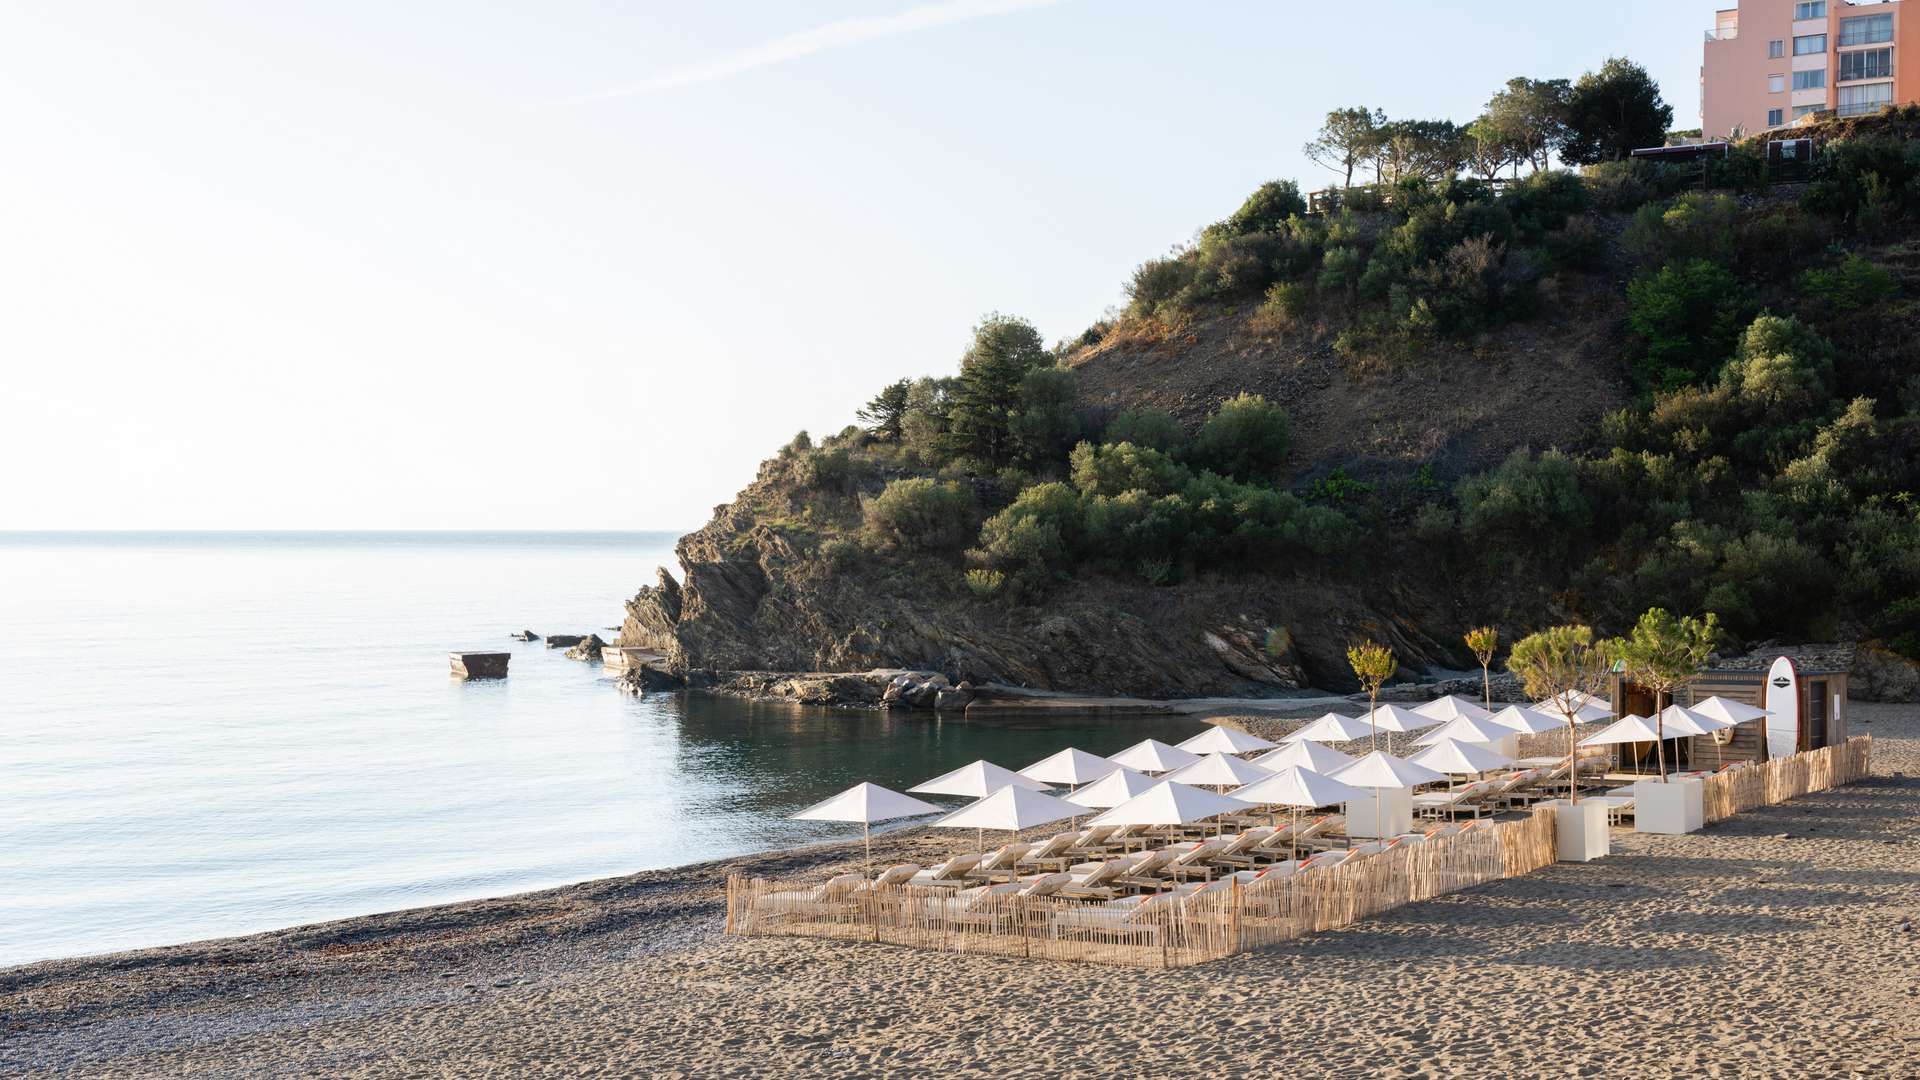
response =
{"points": [[1723, 33]]}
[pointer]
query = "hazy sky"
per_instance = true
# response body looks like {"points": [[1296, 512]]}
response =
{"points": [[582, 265]]}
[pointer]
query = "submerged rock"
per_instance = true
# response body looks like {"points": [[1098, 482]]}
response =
{"points": [[957, 697], [525, 635], [588, 648], [479, 665], [643, 679], [563, 641]]}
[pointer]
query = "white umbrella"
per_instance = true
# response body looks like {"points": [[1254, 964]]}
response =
{"points": [[1112, 789], [1225, 740], [1526, 721], [1460, 758], [1724, 709], [1452, 707], [1464, 729], [1152, 755], [1069, 766], [1168, 803], [866, 804], [977, 781], [1298, 788], [1011, 808], [1219, 770], [1378, 770], [1585, 707], [1332, 727], [1306, 754], [1678, 721], [1627, 729], [1392, 718]]}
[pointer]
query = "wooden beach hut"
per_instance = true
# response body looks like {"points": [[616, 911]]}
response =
{"points": [[1806, 690]]}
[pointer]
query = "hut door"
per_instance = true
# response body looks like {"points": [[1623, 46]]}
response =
{"points": [[1816, 726]]}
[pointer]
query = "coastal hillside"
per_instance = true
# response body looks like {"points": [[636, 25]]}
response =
{"points": [[1407, 408]]}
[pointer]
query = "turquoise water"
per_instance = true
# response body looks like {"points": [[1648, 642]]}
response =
{"points": [[208, 735]]}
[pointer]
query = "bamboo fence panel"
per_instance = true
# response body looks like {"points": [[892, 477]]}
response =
{"points": [[1168, 933], [1776, 781]]}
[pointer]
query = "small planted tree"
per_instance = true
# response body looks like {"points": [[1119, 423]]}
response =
{"points": [[1373, 664], [1663, 653], [1484, 641], [1562, 663]]}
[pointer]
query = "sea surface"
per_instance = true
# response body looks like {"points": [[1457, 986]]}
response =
{"points": [[204, 735]]}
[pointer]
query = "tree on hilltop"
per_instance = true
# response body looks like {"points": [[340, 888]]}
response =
{"points": [[1612, 112], [1348, 138], [987, 398], [885, 416]]}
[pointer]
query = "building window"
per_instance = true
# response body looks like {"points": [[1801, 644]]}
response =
{"points": [[1776, 83], [1815, 10], [1865, 29], [1807, 110], [1865, 98], [1775, 118], [1866, 64], [1810, 80], [1808, 44], [1776, 48]]}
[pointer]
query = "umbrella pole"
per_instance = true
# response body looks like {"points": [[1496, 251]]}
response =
{"points": [[1294, 836], [866, 834]]}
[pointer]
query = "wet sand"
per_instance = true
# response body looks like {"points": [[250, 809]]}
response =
{"points": [[1768, 945]]}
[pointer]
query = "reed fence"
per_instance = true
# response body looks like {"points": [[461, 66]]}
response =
{"points": [[1200, 927], [1776, 781]]}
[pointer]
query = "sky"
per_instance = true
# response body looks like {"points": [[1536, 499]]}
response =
{"points": [[579, 265]]}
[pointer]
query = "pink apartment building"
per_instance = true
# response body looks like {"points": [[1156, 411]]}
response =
{"points": [[1770, 62]]}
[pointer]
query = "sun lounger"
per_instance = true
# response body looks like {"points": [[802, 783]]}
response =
{"points": [[1470, 798], [1619, 806], [949, 874], [1149, 868], [891, 876], [834, 892], [1002, 862], [1193, 857], [1096, 840], [1102, 878], [1051, 851], [1124, 919]]}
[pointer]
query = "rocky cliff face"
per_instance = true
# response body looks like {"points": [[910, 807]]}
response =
{"points": [[761, 596]]}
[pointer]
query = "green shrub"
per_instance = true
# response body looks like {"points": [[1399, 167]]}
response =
{"points": [[1116, 468], [1782, 369], [1268, 208], [1338, 487], [1033, 541], [1289, 300], [1616, 186], [1686, 316], [1156, 283], [985, 583], [1528, 505], [1155, 429], [1864, 180], [1697, 225], [1854, 284], [920, 514], [1246, 438], [1043, 423]]}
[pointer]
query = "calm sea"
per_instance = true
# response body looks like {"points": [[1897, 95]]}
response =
{"points": [[212, 734]]}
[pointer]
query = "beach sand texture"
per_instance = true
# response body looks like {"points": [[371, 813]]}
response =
{"points": [[1767, 945]]}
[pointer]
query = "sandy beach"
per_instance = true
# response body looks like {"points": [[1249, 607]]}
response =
{"points": [[1777, 943]]}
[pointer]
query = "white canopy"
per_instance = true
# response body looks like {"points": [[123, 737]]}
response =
{"points": [[1527, 721], [1678, 721], [977, 781], [1586, 707], [1152, 755], [866, 804], [1225, 740], [1112, 789], [1168, 803], [1219, 770], [1464, 729], [1399, 718], [1723, 709], [1295, 786], [1452, 707], [1460, 758], [1627, 729], [1332, 727], [1010, 808], [1306, 754], [1069, 766], [1382, 770]]}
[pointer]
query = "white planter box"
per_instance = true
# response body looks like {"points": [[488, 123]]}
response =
{"points": [[1673, 807], [1583, 830], [1395, 814], [1507, 745]]}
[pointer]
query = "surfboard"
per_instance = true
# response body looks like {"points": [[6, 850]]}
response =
{"points": [[1782, 699]]}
